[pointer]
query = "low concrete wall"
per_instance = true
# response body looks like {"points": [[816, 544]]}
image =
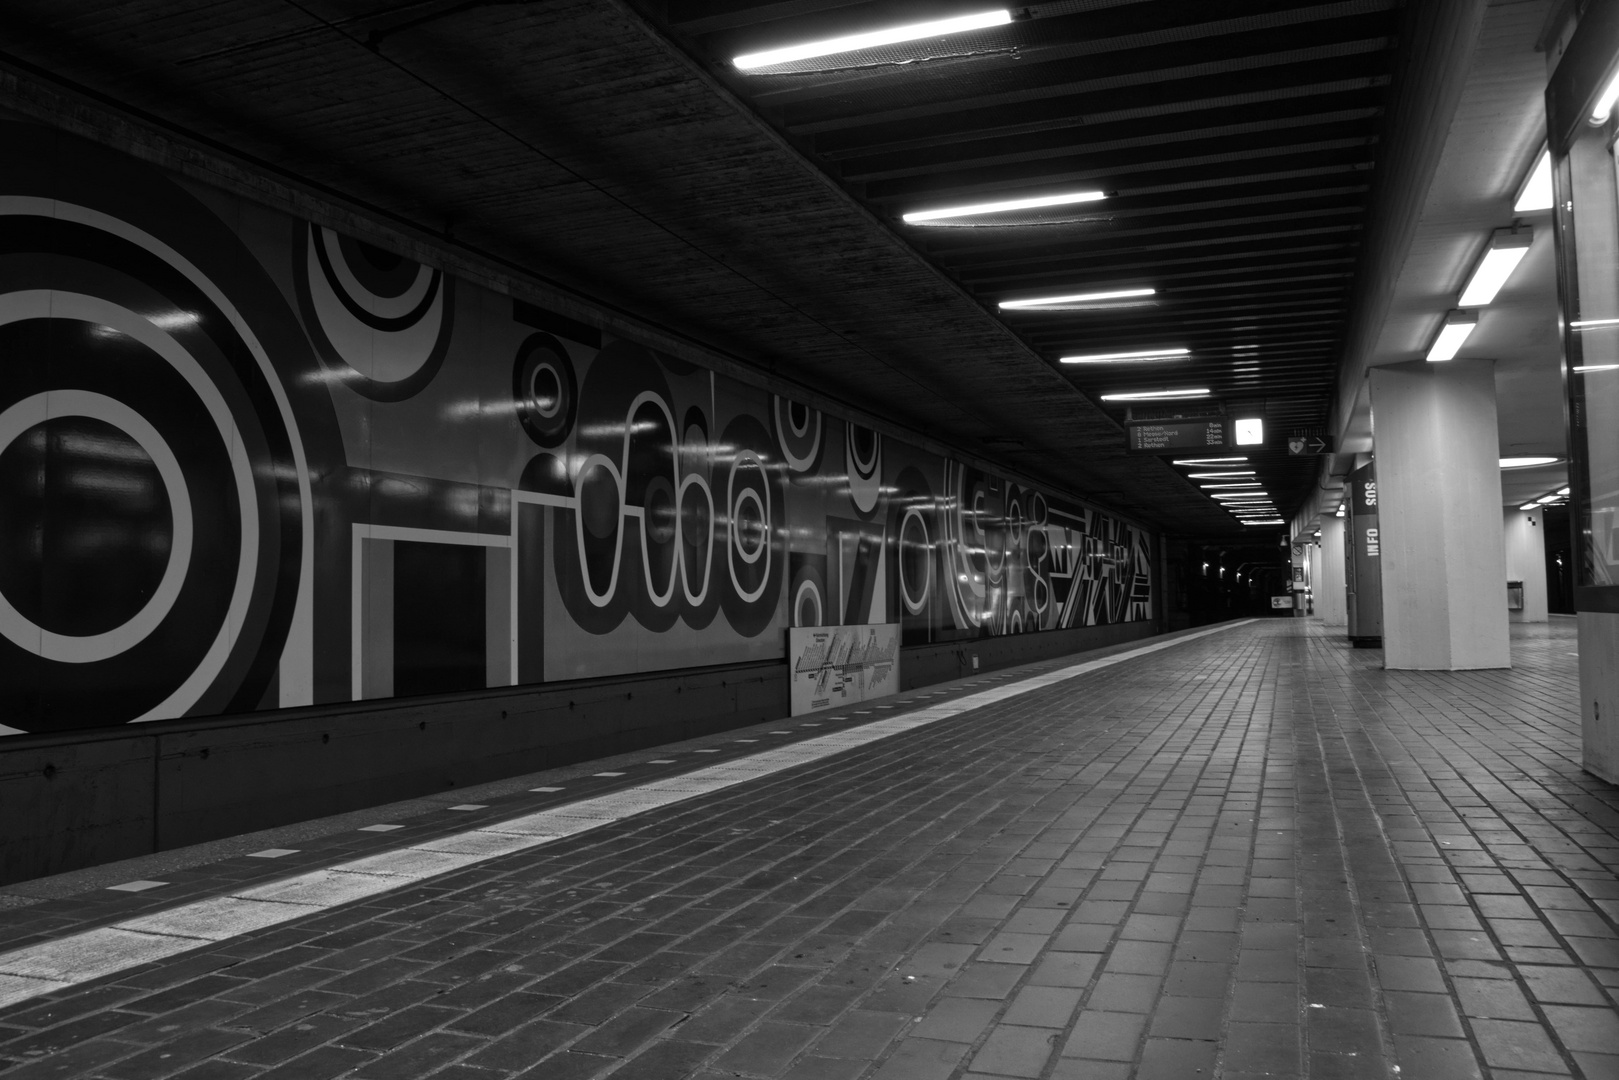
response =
{"points": [[84, 798]]}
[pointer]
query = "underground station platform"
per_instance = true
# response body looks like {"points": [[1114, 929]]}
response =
{"points": [[1240, 851]]}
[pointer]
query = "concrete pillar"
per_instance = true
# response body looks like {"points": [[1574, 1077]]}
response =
{"points": [[1525, 535], [1329, 587], [1437, 448]]}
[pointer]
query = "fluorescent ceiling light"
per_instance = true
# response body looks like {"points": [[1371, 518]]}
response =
{"points": [[1548, 499], [1530, 506], [1237, 494], [1507, 249], [1562, 491], [1250, 431], [1002, 207], [893, 35], [1536, 193], [1340, 512], [1208, 460], [1266, 521], [1604, 102], [1243, 484], [1127, 357], [1527, 462], [1585, 368], [1458, 325], [1079, 298], [1219, 475], [1593, 324], [1154, 395]]}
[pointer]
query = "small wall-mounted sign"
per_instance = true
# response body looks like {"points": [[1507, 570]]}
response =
{"points": [[1304, 445]]}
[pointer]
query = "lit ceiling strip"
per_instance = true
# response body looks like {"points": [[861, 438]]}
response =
{"points": [[892, 35], [974, 209], [1074, 298]]}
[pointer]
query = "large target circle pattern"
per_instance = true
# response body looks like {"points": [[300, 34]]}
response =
{"points": [[89, 648], [105, 324]]}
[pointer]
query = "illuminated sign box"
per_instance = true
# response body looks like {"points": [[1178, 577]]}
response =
{"points": [[1175, 436]]}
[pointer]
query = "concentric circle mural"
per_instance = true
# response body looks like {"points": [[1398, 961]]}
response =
{"points": [[379, 321], [152, 505]]}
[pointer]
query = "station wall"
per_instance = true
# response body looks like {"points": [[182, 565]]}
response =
{"points": [[248, 464]]}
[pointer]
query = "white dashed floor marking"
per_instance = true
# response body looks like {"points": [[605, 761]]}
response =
{"points": [[78, 958]]}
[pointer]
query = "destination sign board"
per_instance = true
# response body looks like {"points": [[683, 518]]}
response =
{"points": [[1175, 436]]}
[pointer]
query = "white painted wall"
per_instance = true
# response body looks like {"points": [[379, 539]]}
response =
{"points": [[1524, 533]]}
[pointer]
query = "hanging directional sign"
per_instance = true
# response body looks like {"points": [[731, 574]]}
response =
{"points": [[1303, 445], [1175, 436]]}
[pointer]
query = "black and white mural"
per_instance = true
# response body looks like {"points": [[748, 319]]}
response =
{"points": [[247, 462]]}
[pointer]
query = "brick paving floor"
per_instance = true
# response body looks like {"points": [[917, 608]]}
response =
{"points": [[1255, 854]]}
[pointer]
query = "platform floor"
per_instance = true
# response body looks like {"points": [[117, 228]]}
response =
{"points": [[1253, 853]]}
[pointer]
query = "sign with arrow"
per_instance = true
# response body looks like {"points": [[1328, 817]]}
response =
{"points": [[1304, 445]]}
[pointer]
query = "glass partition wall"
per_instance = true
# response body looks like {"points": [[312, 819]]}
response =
{"points": [[1582, 130]]}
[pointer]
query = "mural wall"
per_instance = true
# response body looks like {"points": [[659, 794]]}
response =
{"points": [[248, 463]]}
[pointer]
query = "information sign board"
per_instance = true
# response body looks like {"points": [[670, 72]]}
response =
{"points": [[1175, 436], [1279, 602], [835, 666]]}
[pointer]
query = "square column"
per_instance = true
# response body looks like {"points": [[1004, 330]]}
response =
{"points": [[1437, 448], [1330, 603]]}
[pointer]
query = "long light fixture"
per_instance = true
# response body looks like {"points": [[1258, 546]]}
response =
{"points": [[1209, 460], [1218, 475], [1237, 494], [892, 35], [1586, 369], [1267, 521], [1593, 324], [1527, 462], [1530, 506], [1536, 193], [1507, 249], [1137, 357], [974, 209], [1155, 395], [1073, 298], [1243, 484], [1458, 325], [1604, 102]]}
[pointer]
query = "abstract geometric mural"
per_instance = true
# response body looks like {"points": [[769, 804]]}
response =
{"points": [[247, 462]]}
